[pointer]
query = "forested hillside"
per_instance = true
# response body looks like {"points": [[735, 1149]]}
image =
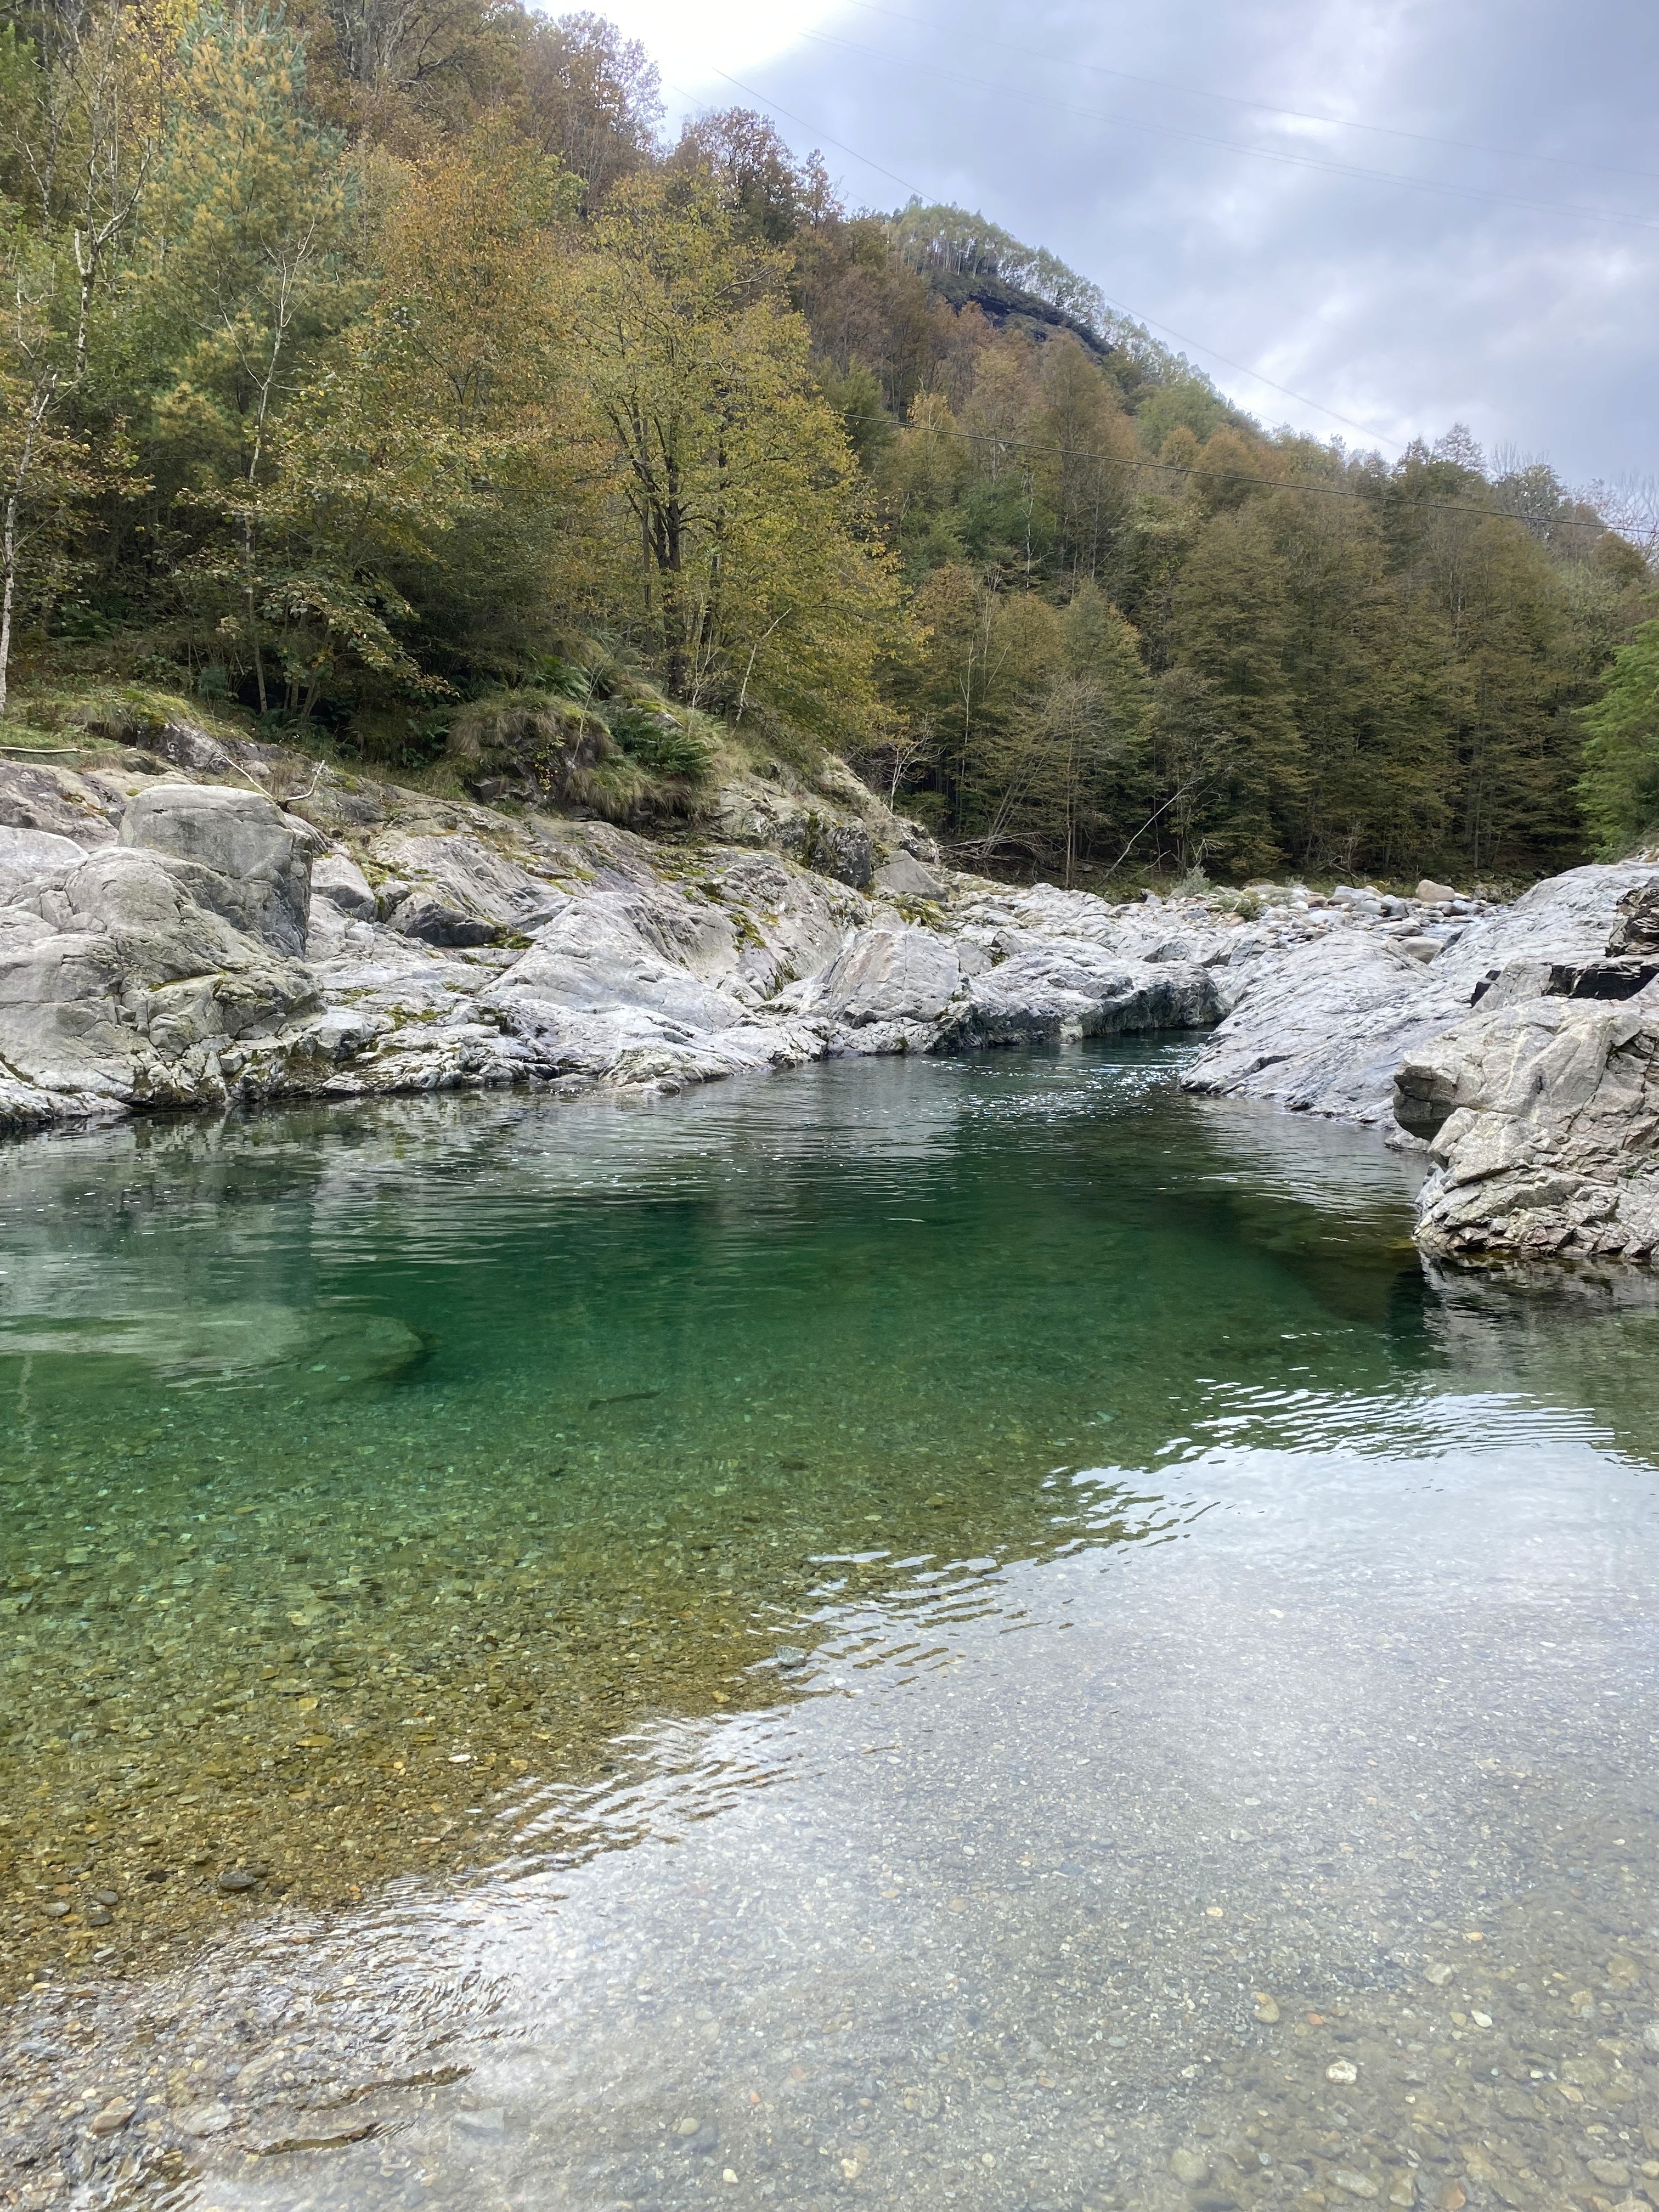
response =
{"points": [[377, 370]]}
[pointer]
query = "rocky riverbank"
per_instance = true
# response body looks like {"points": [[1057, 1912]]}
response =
{"points": [[186, 924]]}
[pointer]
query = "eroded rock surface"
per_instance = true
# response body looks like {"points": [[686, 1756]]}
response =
{"points": [[1541, 1117], [1330, 1001], [171, 940], [166, 939]]}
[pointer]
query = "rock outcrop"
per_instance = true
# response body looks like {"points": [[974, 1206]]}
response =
{"points": [[167, 941], [195, 925], [1542, 1120], [1540, 1109], [1328, 1009], [237, 854]]}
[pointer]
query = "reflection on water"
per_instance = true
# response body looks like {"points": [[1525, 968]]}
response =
{"points": [[949, 1632]]}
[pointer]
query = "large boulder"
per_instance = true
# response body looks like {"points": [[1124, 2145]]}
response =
{"points": [[240, 856], [1046, 992], [1542, 1120]]}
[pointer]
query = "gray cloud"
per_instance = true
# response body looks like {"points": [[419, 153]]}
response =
{"points": [[1403, 305]]}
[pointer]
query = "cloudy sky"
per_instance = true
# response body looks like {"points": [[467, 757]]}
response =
{"points": [[1404, 213]]}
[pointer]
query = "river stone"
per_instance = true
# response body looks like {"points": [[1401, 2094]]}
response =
{"points": [[1433, 894], [230, 1339], [1190, 2168], [206, 2119]]}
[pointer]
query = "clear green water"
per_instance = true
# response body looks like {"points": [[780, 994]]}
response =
{"points": [[515, 1422], [1071, 1623]]}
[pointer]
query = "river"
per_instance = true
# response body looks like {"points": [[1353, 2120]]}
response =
{"points": [[961, 1632]]}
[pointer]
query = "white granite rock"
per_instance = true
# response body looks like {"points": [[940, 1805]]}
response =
{"points": [[242, 857], [1543, 1121], [1321, 1024], [194, 944], [337, 878]]}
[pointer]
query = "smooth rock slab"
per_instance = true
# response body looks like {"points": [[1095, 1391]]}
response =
{"points": [[890, 975], [1322, 1028], [27, 856], [249, 861]]}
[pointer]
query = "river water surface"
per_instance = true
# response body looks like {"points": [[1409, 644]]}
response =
{"points": [[962, 1633]]}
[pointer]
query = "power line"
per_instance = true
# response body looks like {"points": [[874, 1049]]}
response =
{"points": [[1236, 146], [1284, 390], [1295, 114], [804, 125]]}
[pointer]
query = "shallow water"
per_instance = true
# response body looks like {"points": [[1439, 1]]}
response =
{"points": [[947, 1631]]}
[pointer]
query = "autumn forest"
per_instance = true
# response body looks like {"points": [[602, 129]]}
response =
{"points": [[378, 373]]}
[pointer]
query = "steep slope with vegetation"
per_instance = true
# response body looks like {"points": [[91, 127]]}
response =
{"points": [[377, 374]]}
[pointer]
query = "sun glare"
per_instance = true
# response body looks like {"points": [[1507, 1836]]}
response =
{"points": [[693, 42]]}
